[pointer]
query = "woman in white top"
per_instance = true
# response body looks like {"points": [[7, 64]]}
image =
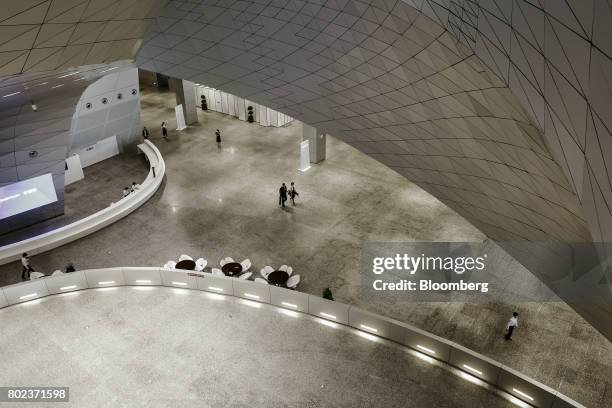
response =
{"points": [[27, 268]]}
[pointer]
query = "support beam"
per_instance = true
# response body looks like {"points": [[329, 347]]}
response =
{"points": [[186, 96], [317, 141]]}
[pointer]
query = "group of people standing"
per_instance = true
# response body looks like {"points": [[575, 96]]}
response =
{"points": [[132, 189], [283, 192], [164, 131]]}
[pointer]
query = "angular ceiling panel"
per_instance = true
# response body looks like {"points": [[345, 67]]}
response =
{"points": [[67, 23]]}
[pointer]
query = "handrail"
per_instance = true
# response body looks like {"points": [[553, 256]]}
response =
{"points": [[467, 361], [94, 222]]}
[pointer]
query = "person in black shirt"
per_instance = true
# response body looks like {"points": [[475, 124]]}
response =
{"points": [[282, 195], [164, 130]]}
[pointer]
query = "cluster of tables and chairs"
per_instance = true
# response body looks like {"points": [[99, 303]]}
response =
{"points": [[280, 277], [241, 270]]}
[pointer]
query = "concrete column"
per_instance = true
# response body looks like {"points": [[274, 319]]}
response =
{"points": [[317, 140], [185, 92]]}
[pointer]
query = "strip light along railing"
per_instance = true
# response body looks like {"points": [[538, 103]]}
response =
{"points": [[467, 361]]}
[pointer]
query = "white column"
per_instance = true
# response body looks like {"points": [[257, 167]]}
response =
{"points": [[185, 92], [316, 141]]}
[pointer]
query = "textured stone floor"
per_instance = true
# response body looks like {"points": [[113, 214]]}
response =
{"points": [[162, 347], [218, 203]]}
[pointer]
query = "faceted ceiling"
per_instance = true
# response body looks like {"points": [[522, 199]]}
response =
{"points": [[49, 35]]}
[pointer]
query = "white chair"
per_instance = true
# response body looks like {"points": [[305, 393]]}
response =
{"points": [[246, 275], [283, 268], [266, 271], [36, 275], [259, 280], [185, 257], [217, 271], [201, 264], [226, 260], [57, 272], [289, 270], [246, 264], [293, 281]]}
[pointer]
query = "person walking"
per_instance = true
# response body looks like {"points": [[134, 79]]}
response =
{"points": [[145, 133], [218, 138], [512, 323], [27, 268], [282, 195], [293, 193], [164, 130]]}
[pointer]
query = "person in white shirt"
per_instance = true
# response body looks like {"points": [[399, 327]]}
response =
{"points": [[135, 186], [126, 192], [512, 323], [27, 268]]}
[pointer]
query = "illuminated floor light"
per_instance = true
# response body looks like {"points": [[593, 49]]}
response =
{"points": [[368, 336], [251, 303], [363, 326], [423, 356], [250, 295], [215, 288], [329, 316], [289, 305], [328, 323], [472, 369], [522, 394], [106, 282], [28, 296], [471, 378], [11, 94], [180, 283], [68, 287], [289, 312], [143, 281], [428, 350]]}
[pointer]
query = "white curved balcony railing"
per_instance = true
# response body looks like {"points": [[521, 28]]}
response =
{"points": [[85, 226], [469, 362]]}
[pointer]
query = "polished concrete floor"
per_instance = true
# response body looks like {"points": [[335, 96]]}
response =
{"points": [[102, 185], [218, 203], [162, 347]]}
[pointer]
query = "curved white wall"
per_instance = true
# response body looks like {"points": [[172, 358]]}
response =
{"points": [[432, 346]]}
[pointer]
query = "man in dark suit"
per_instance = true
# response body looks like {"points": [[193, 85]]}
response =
{"points": [[282, 195]]}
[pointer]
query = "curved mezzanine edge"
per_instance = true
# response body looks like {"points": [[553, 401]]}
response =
{"points": [[467, 361], [94, 222]]}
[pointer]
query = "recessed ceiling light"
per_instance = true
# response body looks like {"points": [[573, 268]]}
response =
{"points": [[67, 75], [109, 69]]}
